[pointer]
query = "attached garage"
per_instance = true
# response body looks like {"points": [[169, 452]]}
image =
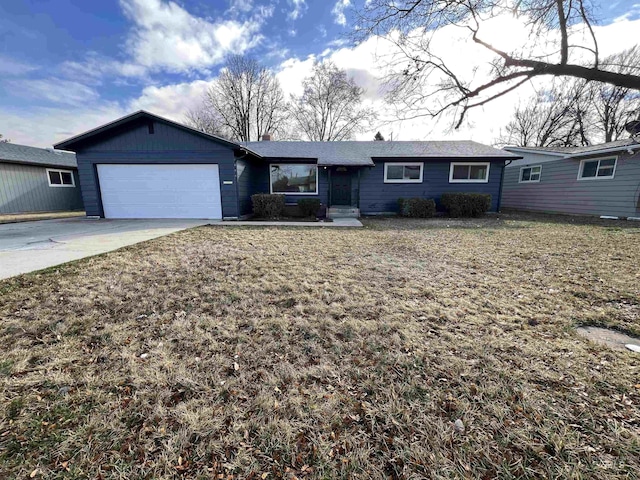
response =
{"points": [[145, 166], [160, 191]]}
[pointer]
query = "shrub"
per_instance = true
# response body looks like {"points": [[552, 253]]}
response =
{"points": [[417, 207], [466, 204], [401, 203], [309, 207], [268, 206]]}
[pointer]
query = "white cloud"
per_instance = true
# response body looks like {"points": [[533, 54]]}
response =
{"points": [[43, 127], [292, 72], [240, 5], [54, 90], [167, 37], [298, 7], [13, 67], [171, 101], [95, 66], [338, 12]]}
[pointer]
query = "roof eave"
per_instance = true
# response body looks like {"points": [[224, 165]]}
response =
{"points": [[534, 150], [38, 164], [68, 144], [629, 148]]}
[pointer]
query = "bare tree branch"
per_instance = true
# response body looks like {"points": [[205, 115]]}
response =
{"points": [[428, 86], [244, 102], [330, 107]]}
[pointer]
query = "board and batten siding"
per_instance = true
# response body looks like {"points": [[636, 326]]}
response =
{"points": [[560, 191], [134, 144], [25, 188], [254, 177], [251, 177], [378, 197]]}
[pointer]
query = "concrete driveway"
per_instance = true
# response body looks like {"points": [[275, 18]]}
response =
{"points": [[26, 247]]}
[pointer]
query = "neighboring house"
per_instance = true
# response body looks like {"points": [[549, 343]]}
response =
{"points": [[37, 180], [144, 166], [596, 180]]}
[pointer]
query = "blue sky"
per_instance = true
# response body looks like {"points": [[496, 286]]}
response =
{"points": [[69, 65]]}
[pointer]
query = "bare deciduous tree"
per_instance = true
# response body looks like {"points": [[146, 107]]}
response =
{"points": [[577, 112], [614, 106], [427, 85], [247, 100], [330, 107], [206, 120], [546, 120]]}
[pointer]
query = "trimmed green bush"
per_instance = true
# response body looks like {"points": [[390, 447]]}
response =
{"points": [[466, 204], [268, 206], [309, 207], [417, 207]]}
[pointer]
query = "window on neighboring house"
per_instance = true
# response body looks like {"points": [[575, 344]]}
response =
{"points": [[294, 179], [403, 172], [598, 169], [530, 174], [469, 172], [60, 178]]}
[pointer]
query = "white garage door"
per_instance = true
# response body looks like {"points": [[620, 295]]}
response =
{"points": [[160, 191]]}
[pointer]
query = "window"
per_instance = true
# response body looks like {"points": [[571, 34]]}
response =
{"points": [[598, 169], [530, 174], [60, 178], [294, 179], [403, 172], [469, 172]]}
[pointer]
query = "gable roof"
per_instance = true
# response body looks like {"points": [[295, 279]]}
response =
{"points": [[73, 142], [13, 153], [354, 153], [574, 152]]}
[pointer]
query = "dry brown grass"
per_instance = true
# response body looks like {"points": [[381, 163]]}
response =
{"points": [[328, 354]]}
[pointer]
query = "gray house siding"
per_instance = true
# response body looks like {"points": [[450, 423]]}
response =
{"points": [[379, 197], [135, 145], [25, 188], [560, 191]]}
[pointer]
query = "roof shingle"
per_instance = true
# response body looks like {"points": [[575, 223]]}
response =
{"points": [[575, 151], [363, 153], [11, 152]]}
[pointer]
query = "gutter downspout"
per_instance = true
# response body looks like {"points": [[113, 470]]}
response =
{"points": [[508, 162]]}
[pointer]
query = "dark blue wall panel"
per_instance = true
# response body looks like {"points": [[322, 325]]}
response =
{"points": [[166, 145], [379, 197], [258, 179]]}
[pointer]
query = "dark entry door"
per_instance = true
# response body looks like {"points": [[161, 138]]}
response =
{"points": [[340, 188]]}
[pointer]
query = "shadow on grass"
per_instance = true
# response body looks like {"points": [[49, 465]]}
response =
{"points": [[502, 221]]}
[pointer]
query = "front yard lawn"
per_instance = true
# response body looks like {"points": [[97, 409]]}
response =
{"points": [[405, 349]]}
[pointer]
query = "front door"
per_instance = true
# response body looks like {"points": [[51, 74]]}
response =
{"points": [[341, 188]]}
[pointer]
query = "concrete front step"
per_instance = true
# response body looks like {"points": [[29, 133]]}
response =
{"points": [[343, 212]]}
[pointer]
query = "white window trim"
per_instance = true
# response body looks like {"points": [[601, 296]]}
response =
{"points": [[293, 193], [73, 180], [455, 164], [581, 169], [530, 181], [404, 164]]}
